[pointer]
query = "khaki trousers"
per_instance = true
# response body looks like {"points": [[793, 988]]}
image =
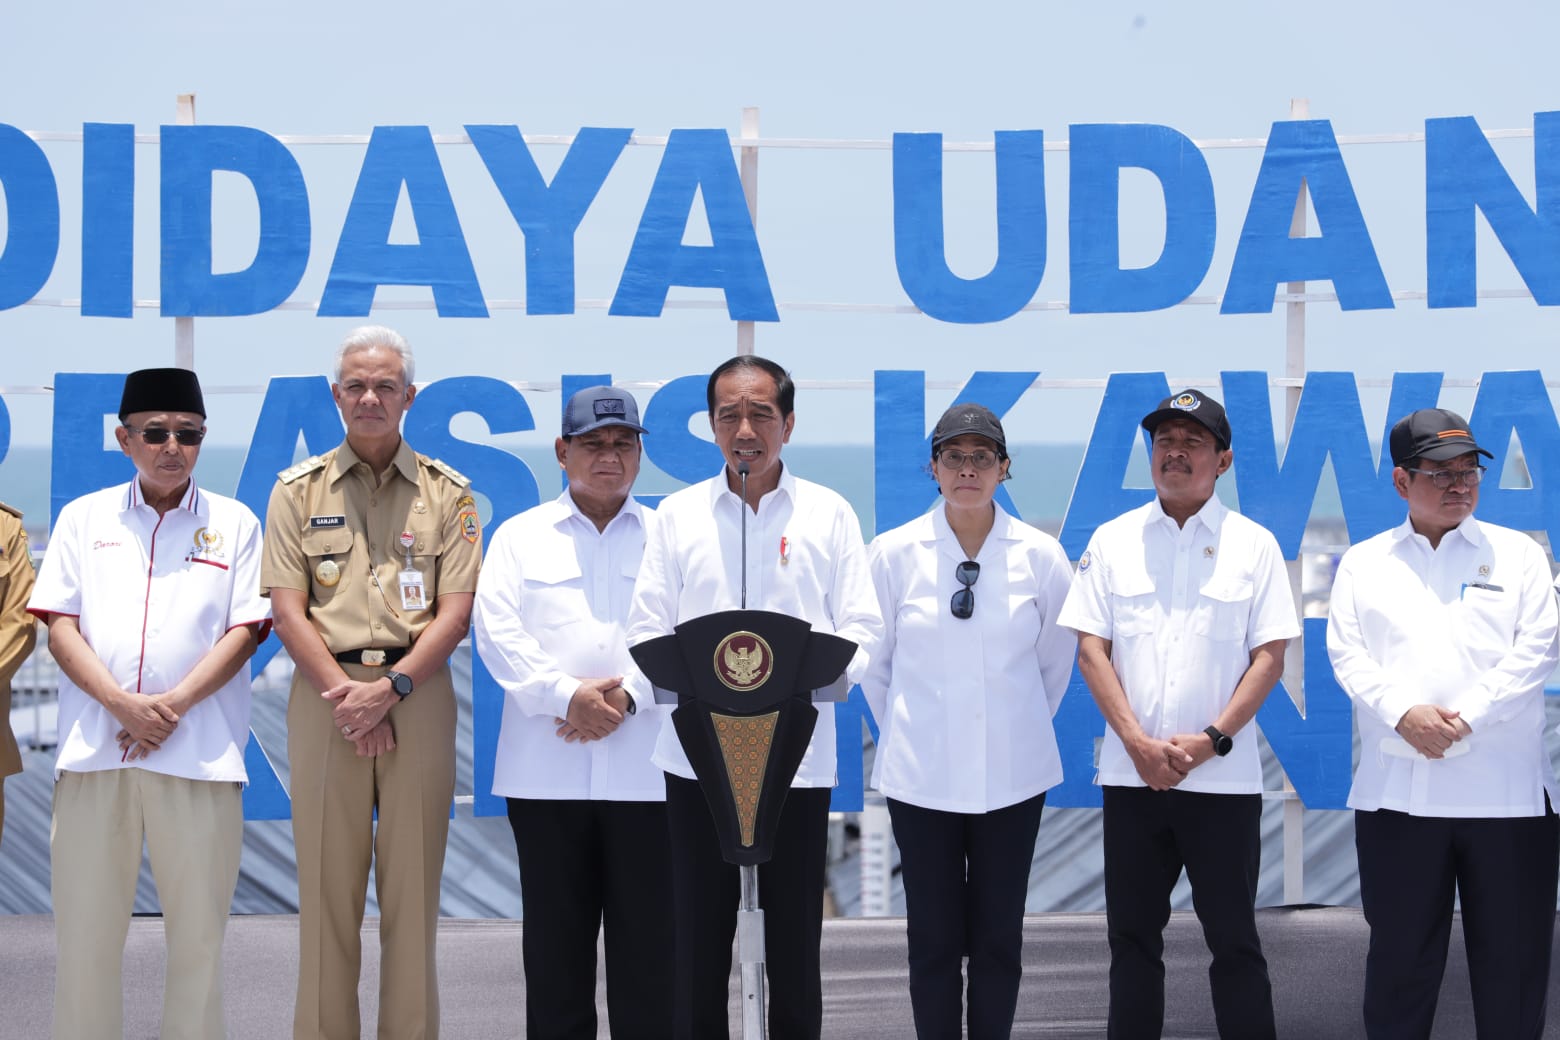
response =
{"points": [[334, 796], [193, 831]]}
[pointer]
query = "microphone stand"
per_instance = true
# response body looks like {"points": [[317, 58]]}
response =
{"points": [[750, 916]]}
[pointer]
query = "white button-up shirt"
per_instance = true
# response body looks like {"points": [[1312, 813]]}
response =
{"points": [[805, 558], [964, 707], [552, 601], [1183, 608], [153, 594], [1469, 626]]}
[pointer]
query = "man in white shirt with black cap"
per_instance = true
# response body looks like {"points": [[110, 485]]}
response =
{"points": [[1183, 610], [587, 806], [805, 558], [1443, 631], [151, 594]]}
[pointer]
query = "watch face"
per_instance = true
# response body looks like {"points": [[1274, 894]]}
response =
{"points": [[400, 683]]}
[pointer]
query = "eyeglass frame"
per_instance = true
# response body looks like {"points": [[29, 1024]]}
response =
{"points": [[962, 605], [187, 437], [1470, 478], [970, 456]]}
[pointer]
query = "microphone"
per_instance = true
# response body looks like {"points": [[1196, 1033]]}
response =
{"points": [[742, 474]]}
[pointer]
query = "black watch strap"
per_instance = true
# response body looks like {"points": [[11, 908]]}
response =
{"points": [[1221, 743]]}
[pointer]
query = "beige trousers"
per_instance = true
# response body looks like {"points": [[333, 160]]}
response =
{"points": [[193, 831], [334, 796]]}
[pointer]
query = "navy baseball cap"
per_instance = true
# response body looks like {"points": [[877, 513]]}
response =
{"points": [[1196, 406], [598, 406]]}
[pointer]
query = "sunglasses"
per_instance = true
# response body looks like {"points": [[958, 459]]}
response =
{"points": [[160, 434], [962, 605]]}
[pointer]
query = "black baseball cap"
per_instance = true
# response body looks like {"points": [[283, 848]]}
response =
{"points": [[1196, 406], [1431, 433], [969, 418], [598, 406]]}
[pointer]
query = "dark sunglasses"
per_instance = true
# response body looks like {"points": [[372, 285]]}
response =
{"points": [[962, 605], [160, 434]]}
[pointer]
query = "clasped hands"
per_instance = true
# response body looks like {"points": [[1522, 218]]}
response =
{"points": [[1431, 729], [362, 714], [596, 710]]}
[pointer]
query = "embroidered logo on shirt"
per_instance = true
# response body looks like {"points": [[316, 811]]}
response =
{"points": [[470, 526], [1083, 563], [100, 544], [207, 548]]}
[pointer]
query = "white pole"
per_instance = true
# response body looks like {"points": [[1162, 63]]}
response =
{"points": [[184, 328], [1294, 367], [749, 174]]}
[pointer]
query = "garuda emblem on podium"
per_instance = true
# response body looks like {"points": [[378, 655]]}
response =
{"points": [[743, 661]]}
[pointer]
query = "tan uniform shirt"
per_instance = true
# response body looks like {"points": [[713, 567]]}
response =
{"points": [[331, 531], [18, 629]]}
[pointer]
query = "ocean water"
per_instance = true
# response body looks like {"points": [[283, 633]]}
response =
{"points": [[1042, 484]]}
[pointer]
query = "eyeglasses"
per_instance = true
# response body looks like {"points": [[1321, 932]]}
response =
{"points": [[1443, 479], [982, 459], [160, 434], [962, 605]]}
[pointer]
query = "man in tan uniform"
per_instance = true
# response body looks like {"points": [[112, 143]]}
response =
{"points": [[18, 631], [371, 557]]}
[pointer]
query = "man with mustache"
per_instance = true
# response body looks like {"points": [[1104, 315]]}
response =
{"points": [[1182, 609], [1442, 631]]}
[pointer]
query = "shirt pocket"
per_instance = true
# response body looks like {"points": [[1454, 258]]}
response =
{"points": [[1134, 607], [554, 591], [1223, 611], [1488, 623], [327, 551]]}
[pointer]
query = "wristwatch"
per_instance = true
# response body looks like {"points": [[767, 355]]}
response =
{"points": [[400, 682], [1221, 743]]}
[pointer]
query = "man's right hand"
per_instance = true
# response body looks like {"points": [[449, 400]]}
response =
{"points": [[1160, 763], [147, 720], [590, 716], [1431, 729]]}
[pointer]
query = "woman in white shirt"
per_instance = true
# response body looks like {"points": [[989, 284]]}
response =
{"points": [[971, 671]]}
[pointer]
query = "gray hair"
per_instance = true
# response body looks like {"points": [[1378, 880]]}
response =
{"points": [[370, 337]]}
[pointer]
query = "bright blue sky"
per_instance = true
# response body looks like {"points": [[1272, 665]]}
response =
{"points": [[816, 70]]}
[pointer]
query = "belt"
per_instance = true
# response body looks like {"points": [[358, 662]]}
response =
{"points": [[373, 658]]}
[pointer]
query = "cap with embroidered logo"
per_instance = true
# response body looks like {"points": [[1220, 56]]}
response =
{"points": [[969, 418], [598, 406], [1431, 433], [1196, 406]]}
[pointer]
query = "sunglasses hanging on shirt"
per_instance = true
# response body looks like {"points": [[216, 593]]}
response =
{"points": [[962, 605]]}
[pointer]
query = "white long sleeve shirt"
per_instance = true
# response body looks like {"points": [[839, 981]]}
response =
{"points": [[805, 558], [964, 707], [551, 609], [153, 594], [1183, 608], [1470, 626]]}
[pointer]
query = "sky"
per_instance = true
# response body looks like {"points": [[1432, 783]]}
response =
{"points": [[841, 71]]}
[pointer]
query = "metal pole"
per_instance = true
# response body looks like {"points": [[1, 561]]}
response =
{"points": [[184, 328], [749, 174], [750, 951], [1294, 367]]}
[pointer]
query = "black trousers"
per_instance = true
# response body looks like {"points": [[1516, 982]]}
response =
{"points": [[1504, 871], [966, 878], [1149, 837], [706, 891], [585, 866]]}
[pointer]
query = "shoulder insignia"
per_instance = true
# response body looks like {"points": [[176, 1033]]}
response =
{"points": [[12, 510], [308, 465], [449, 471]]}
